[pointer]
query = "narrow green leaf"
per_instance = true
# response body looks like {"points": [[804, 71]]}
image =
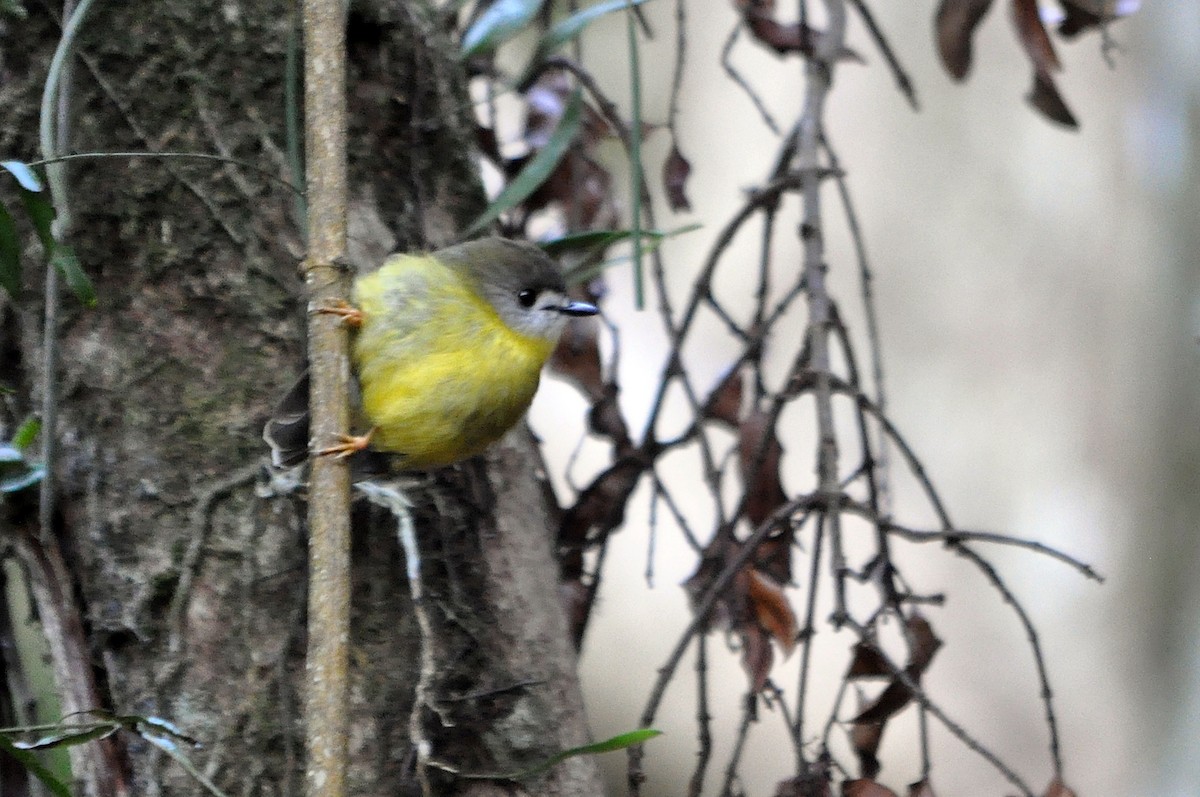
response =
{"points": [[503, 20], [26, 433], [24, 174], [636, 169], [41, 213], [10, 453], [599, 239], [540, 167], [71, 737], [31, 477], [569, 27], [30, 762], [618, 742], [67, 263], [10, 254]]}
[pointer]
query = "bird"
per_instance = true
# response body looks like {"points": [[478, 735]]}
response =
{"points": [[447, 353]]}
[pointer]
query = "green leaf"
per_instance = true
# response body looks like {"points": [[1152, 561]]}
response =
{"points": [[569, 27], [540, 167], [503, 20], [27, 479], [584, 242], [30, 762], [564, 31], [67, 263], [24, 174], [26, 433], [70, 736], [41, 213], [618, 742], [10, 453], [10, 254]]}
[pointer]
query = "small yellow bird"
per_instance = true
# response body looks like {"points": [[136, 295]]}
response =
{"points": [[448, 352]]}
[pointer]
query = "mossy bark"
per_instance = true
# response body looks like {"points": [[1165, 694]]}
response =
{"points": [[183, 566]]}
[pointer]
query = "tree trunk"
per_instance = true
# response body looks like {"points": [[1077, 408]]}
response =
{"points": [[173, 583]]}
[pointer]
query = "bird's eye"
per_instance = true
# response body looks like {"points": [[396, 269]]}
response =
{"points": [[527, 297]]}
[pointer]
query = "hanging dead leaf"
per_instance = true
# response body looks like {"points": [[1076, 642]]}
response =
{"points": [[868, 662], [924, 643], [725, 402], [866, 736], [577, 357], [757, 656], [1033, 36], [772, 610], [1058, 789], [1082, 15], [760, 447], [604, 418], [1046, 98], [784, 38], [601, 506], [955, 25], [865, 788], [811, 784], [889, 702], [675, 175]]}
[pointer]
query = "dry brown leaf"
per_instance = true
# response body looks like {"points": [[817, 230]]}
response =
{"points": [[866, 736], [772, 610], [865, 788], [868, 662], [757, 656], [781, 37], [604, 418], [758, 444], [890, 701], [577, 357], [924, 643], [813, 784], [601, 506], [1047, 99], [955, 25], [725, 402], [675, 175], [1033, 36], [1082, 15]]}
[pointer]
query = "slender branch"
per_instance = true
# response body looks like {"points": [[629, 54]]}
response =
{"points": [[327, 699], [703, 719], [953, 536], [818, 75], [903, 81]]}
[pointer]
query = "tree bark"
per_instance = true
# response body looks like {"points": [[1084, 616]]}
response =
{"points": [[183, 564]]}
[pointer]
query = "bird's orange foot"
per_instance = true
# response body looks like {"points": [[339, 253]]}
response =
{"points": [[347, 445], [350, 315]]}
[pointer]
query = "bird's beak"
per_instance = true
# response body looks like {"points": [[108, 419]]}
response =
{"points": [[577, 309]]}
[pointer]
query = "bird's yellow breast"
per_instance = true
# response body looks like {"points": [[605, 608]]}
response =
{"points": [[441, 374]]}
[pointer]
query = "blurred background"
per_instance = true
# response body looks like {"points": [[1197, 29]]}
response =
{"points": [[1038, 298]]}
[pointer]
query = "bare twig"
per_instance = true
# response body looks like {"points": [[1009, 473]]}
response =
{"points": [[903, 81], [327, 698]]}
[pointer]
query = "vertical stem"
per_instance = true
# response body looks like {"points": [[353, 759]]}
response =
{"points": [[818, 78], [327, 694], [635, 156]]}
